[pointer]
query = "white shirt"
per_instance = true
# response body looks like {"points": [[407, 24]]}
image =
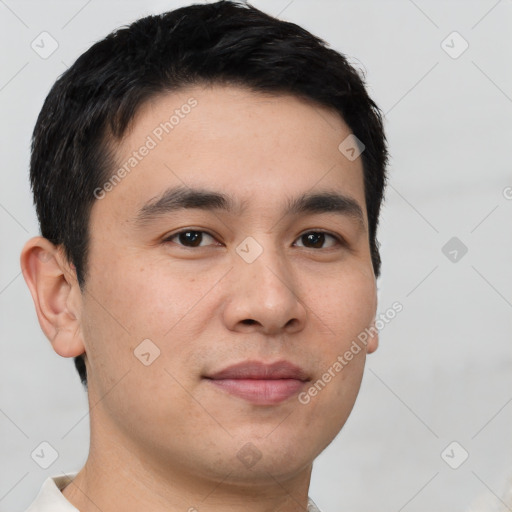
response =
{"points": [[51, 499]]}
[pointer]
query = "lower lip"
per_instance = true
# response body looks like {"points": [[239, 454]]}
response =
{"points": [[260, 391]]}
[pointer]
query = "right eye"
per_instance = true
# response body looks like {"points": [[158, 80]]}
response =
{"points": [[191, 238]]}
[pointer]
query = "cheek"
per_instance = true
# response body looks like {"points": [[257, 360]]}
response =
{"points": [[344, 306], [126, 305], [341, 307], [130, 301], [149, 298]]}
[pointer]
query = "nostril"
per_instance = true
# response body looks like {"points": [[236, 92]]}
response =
{"points": [[249, 321], [291, 322]]}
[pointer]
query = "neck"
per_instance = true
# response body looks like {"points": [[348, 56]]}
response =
{"points": [[117, 477]]}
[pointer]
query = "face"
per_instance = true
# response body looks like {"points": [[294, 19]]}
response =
{"points": [[229, 269]]}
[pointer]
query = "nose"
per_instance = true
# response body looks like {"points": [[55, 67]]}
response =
{"points": [[264, 297]]}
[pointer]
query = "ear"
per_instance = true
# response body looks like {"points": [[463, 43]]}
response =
{"points": [[57, 297], [373, 333], [373, 339]]}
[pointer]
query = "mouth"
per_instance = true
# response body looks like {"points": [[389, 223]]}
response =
{"points": [[260, 383]]}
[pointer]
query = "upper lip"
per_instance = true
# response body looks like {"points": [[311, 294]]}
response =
{"points": [[261, 370]]}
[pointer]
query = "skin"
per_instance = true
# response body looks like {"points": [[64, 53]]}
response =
{"points": [[163, 437]]}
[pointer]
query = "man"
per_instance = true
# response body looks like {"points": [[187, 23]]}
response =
{"points": [[208, 184]]}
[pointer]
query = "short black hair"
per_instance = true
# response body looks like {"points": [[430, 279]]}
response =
{"points": [[92, 104]]}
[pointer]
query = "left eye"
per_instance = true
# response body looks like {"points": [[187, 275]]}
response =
{"points": [[316, 240]]}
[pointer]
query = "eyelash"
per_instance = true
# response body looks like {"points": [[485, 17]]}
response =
{"points": [[338, 239]]}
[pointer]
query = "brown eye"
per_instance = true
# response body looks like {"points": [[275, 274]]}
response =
{"points": [[191, 238], [317, 240]]}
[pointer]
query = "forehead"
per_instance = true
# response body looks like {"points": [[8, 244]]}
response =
{"points": [[260, 148]]}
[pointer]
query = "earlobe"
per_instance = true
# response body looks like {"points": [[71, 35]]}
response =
{"points": [[373, 333], [56, 295], [373, 339]]}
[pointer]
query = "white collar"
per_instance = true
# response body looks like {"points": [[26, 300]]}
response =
{"points": [[50, 497]]}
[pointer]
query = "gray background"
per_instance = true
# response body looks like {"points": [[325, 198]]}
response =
{"points": [[443, 372]]}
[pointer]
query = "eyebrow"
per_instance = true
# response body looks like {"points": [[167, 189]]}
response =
{"points": [[178, 198]]}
